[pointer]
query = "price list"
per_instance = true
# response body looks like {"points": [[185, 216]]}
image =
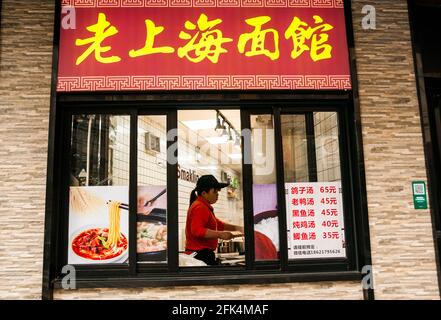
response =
{"points": [[315, 220]]}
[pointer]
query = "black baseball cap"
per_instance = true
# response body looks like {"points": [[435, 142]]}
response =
{"points": [[209, 181]]}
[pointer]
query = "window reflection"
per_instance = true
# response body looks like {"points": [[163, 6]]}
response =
{"points": [[152, 189], [314, 205], [98, 193], [266, 222], [209, 143]]}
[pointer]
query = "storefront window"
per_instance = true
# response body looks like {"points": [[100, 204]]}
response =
{"points": [[98, 193], [266, 222], [209, 143], [314, 201], [152, 190], [206, 142]]}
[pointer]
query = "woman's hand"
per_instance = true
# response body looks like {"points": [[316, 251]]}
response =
{"points": [[142, 199], [233, 227], [226, 235], [240, 229]]}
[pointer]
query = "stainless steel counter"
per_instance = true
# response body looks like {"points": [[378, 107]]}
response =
{"points": [[233, 258]]}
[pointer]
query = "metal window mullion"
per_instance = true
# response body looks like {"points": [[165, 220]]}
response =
{"points": [[172, 196], [310, 138], [281, 206], [133, 183], [247, 191], [347, 184]]}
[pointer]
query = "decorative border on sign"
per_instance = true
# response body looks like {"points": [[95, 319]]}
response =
{"points": [[204, 3], [217, 82]]}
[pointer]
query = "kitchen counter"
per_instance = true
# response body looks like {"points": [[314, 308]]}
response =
{"points": [[232, 259]]}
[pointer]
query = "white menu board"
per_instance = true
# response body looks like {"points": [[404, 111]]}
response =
{"points": [[315, 220]]}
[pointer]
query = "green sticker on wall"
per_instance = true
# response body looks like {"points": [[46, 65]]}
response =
{"points": [[419, 195]]}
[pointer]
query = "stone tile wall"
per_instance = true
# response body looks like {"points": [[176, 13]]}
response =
{"points": [[401, 237], [25, 78]]}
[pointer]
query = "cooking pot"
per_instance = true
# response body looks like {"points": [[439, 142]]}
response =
{"points": [[239, 246], [230, 246], [225, 246]]}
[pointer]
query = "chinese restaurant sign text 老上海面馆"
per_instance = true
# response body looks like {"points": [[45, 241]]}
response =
{"points": [[220, 48], [207, 42]]}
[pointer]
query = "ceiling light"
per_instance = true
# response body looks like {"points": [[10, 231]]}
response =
{"points": [[208, 167], [218, 122], [235, 156], [217, 140], [230, 137], [198, 155], [196, 125], [237, 142], [225, 133]]}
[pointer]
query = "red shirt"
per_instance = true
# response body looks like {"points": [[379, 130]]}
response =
{"points": [[200, 217]]}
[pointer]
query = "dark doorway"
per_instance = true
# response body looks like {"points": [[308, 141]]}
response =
{"points": [[433, 94], [424, 18]]}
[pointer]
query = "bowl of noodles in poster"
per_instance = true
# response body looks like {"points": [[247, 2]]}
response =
{"points": [[90, 245]]}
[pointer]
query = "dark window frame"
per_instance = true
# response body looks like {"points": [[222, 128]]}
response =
{"points": [[349, 262], [135, 274]]}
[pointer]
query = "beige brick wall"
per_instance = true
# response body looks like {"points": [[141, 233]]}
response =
{"points": [[393, 150], [287, 291], [25, 77], [401, 237]]}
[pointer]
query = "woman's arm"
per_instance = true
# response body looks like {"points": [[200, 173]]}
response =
{"points": [[224, 235], [232, 227]]}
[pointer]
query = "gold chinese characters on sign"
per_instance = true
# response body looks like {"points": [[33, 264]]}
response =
{"points": [[205, 40]]}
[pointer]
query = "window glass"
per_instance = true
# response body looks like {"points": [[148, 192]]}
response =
{"points": [[266, 222], [295, 155], [98, 193], [326, 146], [209, 143], [314, 209], [152, 189]]}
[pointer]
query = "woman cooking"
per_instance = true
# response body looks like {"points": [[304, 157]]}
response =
{"points": [[203, 228]]}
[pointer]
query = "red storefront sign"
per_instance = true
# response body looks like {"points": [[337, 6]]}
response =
{"points": [[204, 45]]}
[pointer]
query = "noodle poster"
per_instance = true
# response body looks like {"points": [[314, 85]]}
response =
{"points": [[92, 212]]}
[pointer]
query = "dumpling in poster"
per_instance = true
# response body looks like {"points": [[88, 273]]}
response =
{"points": [[152, 224]]}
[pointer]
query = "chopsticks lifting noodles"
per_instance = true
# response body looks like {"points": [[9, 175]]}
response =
{"points": [[123, 206], [114, 224]]}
